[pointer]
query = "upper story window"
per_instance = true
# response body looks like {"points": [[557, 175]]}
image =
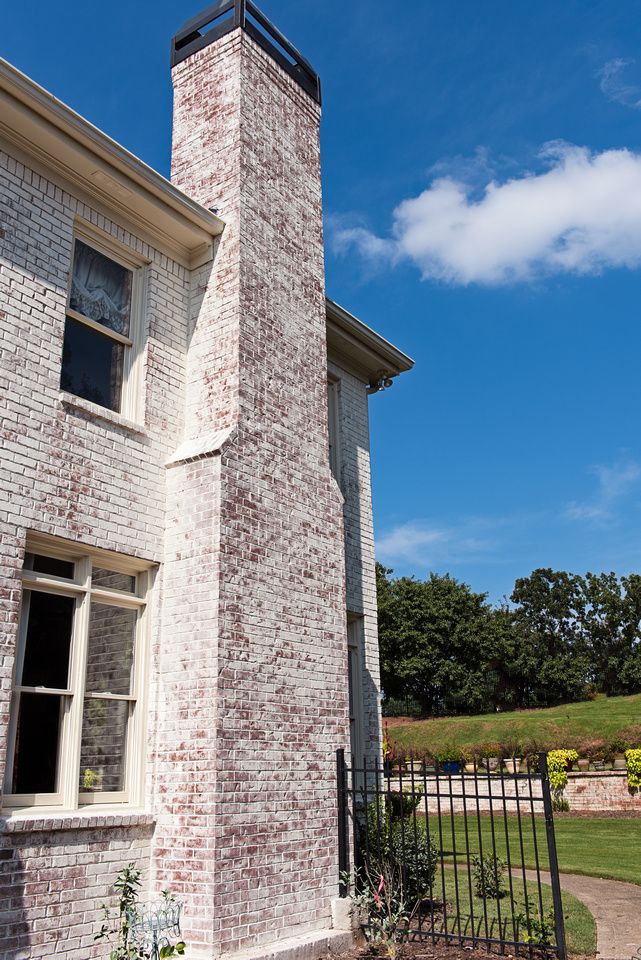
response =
{"points": [[76, 721], [102, 328]]}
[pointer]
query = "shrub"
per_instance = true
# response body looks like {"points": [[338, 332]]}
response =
{"points": [[450, 753], [510, 747], [617, 746], [595, 749], [539, 930], [401, 707], [379, 898], [531, 750], [632, 735], [399, 845], [633, 765], [558, 763], [416, 853], [488, 873]]}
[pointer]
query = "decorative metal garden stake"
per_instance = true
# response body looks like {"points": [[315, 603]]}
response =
{"points": [[151, 925]]}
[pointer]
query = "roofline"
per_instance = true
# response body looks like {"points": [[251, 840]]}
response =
{"points": [[372, 355], [45, 128]]}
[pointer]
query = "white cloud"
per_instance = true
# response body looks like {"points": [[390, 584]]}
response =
{"points": [[581, 216], [614, 86], [417, 542], [614, 483]]}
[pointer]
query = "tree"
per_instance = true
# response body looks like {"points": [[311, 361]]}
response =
{"points": [[554, 656], [435, 639], [612, 618], [446, 647]]}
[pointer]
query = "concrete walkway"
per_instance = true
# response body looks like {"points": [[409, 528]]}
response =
{"points": [[616, 907]]}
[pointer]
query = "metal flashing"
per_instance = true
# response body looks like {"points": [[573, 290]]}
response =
{"points": [[367, 352], [227, 15]]}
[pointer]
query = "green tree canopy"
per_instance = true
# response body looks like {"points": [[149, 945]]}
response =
{"points": [[448, 648]]}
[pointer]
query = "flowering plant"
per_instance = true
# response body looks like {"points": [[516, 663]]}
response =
{"points": [[633, 765], [379, 900]]}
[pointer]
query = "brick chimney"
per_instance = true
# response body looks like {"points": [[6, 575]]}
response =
{"points": [[253, 655]]}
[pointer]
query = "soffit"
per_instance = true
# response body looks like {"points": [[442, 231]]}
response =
{"points": [[351, 342], [65, 143]]}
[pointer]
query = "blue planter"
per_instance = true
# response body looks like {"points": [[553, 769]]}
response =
{"points": [[451, 766]]}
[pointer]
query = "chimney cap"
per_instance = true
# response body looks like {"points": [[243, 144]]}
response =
{"points": [[227, 15]]}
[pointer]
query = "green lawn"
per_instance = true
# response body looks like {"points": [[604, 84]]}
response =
{"points": [[596, 847], [552, 727], [483, 918]]}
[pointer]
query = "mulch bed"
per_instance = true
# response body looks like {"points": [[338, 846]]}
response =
{"points": [[433, 951]]}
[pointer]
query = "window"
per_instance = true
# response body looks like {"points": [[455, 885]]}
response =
{"points": [[354, 643], [333, 424], [75, 734], [102, 329]]}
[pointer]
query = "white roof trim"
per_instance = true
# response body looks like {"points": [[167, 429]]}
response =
{"points": [[369, 354], [62, 141]]}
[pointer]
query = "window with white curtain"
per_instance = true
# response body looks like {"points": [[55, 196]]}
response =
{"points": [[102, 328], [77, 715]]}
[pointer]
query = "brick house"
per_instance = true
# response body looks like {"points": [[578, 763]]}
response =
{"points": [[186, 546]]}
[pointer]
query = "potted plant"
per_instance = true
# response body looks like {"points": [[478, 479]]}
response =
{"points": [[490, 754], [470, 759], [597, 751], [511, 756], [449, 759], [618, 746], [583, 763]]}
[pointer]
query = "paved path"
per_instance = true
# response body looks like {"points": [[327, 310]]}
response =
{"points": [[616, 907]]}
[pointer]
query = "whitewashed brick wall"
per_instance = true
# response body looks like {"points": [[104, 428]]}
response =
{"points": [[356, 486], [246, 140], [249, 651], [95, 481]]}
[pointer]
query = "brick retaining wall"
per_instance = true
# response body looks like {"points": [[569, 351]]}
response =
{"points": [[593, 792]]}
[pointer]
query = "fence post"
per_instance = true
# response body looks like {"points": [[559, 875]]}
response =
{"points": [[559, 925], [343, 838]]}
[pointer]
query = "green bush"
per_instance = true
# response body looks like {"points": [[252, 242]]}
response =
{"points": [[417, 855], [488, 873], [401, 707], [391, 842], [633, 765], [559, 762]]}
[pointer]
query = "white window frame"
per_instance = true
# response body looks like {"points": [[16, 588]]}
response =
{"points": [[334, 425], [355, 679], [130, 397], [69, 795]]}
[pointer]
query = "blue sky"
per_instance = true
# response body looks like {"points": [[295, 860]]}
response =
{"points": [[482, 184]]}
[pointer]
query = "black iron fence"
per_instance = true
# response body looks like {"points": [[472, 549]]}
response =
{"points": [[466, 856]]}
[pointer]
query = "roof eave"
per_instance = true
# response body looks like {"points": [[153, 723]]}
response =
{"points": [[366, 352], [59, 139]]}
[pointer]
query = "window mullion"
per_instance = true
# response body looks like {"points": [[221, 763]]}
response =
{"points": [[137, 715], [15, 699], [131, 403], [73, 726]]}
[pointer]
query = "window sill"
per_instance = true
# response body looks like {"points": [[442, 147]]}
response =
{"points": [[73, 820], [96, 412]]}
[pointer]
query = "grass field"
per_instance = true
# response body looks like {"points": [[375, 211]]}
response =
{"points": [[598, 847], [553, 727], [483, 917]]}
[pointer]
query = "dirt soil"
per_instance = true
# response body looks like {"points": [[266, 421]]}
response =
{"points": [[433, 951]]}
